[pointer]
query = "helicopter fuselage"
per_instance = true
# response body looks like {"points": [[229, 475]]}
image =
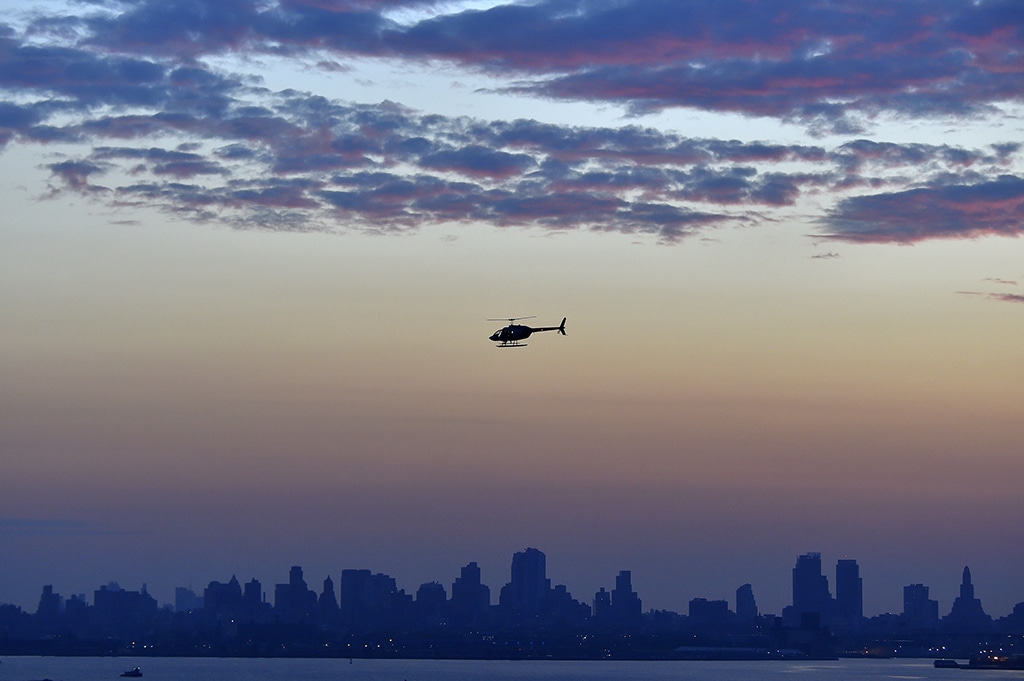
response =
{"points": [[512, 333]]}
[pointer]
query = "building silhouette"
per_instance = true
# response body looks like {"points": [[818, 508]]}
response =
{"points": [[522, 598], [1015, 620], [294, 602], [374, 618], [811, 597], [50, 605], [967, 614], [118, 612], [372, 602], [327, 611], [709, 616], [561, 610], [471, 599], [254, 605], [746, 606], [920, 613], [602, 608], [223, 601], [626, 606], [431, 605], [849, 603], [529, 599], [186, 600]]}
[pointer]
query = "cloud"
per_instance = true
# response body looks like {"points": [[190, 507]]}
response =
{"points": [[118, 87], [1007, 297], [857, 154], [944, 211], [75, 175], [194, 28], [161, 161], [85, 78], [385, 166], [477, 160], [782, 59], [821, 62], [1002, 297], [14, 118]]}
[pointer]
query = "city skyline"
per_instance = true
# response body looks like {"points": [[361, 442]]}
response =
{"points": [[250, 249], [812, 590], [370, 615]]}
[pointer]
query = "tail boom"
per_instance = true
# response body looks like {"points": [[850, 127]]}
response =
{"points": [[560, 328]]}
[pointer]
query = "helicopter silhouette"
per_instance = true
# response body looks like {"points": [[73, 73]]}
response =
{"points": [[510, 336]]}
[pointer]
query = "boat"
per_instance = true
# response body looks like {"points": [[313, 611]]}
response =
{"points": [[133, 673], [988, 661], [994, 661]]}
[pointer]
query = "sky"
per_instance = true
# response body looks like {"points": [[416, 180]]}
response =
{"points": [[250, 249]]}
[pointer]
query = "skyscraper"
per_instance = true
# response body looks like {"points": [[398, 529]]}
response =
{"points": [[603, 607], [810, 591], [626, 605], [431, 604], [967, 613], [223, 600], [327, 604], [294, 601], [523, 597], [372, 600], [252, 600], [471, 599], [746, 606], [849, 609]]}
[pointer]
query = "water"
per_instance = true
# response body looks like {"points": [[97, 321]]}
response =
{"points": [[230, 669]]}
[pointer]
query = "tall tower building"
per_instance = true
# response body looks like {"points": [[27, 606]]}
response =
{"points": [[603, 607], [523, 597], [849, 593], [294, 601], [967, 614], [327, 603], [746, 606], [966, 586], [810, 591], [471, 599], [626, 605]]}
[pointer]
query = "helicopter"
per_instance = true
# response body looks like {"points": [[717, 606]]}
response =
{"points": [[510, 336]]}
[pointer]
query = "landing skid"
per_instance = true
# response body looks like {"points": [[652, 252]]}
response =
{"points": [[511, 345]]}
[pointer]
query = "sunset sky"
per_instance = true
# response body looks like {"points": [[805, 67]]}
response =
{"points": [[250, 248]]}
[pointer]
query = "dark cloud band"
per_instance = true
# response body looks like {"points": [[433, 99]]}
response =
{"points": [[151, 123]]}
